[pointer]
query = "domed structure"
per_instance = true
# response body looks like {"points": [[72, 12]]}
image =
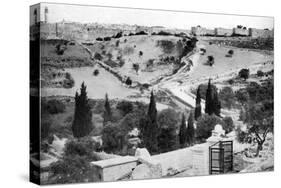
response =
{"points": [[218, 130]]}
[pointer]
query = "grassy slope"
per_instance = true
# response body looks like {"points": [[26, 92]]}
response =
{"points": [[129, 48]]}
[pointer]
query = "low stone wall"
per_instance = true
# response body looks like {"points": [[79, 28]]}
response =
{"points": [[200, 159], [177, 160]]}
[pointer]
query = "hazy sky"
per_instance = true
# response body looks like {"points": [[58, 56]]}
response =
{"points": [[181, 20]]}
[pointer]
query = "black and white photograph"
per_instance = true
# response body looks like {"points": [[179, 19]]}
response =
{"points": [[133, 94]]}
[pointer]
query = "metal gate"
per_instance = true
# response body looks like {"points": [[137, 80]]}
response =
{"points": [[221, 157]]}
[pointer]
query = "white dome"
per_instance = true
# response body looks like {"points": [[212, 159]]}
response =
{"points": [[218, 128]]}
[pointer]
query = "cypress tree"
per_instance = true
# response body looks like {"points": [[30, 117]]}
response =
{"points": [[107, 115], [82, 123], [150, 127], [197, 113], [213, 104], [152, 111], [182, 133], [190, 132], [209, 107], [217, 104]]}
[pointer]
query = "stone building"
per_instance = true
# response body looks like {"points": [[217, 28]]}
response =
{"points": [[240, 32], [220, 32], [263, 33]]}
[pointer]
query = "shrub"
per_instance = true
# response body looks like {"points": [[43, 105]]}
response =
{"points": [[99, 39], [130, 121], [231, 81], [125, 107], [166, 45], [69, 81], [98, 56], [136, 67], [96, 72], [103, 52], [72, 169], [82, 147], [55, 106], [228, 125], [211, 60], [241, 136], [205, 125], [168, 121], [60, 48], [141, 33], [107, 38], [140, 53], [128, 81], [112, 137], [230, 52], [118, 35], [164, 33], [260, 73], [242, 96], [244, 73], [227, 97]]}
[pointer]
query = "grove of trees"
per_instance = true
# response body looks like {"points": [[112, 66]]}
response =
{"points": [[258, 111]]}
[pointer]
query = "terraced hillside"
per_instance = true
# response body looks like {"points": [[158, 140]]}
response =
{"points": [[143, 59]]}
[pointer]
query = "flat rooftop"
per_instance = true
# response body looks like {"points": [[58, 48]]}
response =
{"points": [[114, 161]]}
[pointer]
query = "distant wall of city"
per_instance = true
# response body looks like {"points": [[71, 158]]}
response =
{"points": [[89, 32], [223, 32]]}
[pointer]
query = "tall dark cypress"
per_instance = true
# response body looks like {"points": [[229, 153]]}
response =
{"points": [[209, 107], [217, 104], [107, 115], [198, 112], [182, 133], [152, 111], [82, 123], [190, 132], [150, 129]]}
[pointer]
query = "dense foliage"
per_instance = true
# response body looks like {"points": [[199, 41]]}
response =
{"points": [[74, 166], [167, 139], [258, 112]]}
